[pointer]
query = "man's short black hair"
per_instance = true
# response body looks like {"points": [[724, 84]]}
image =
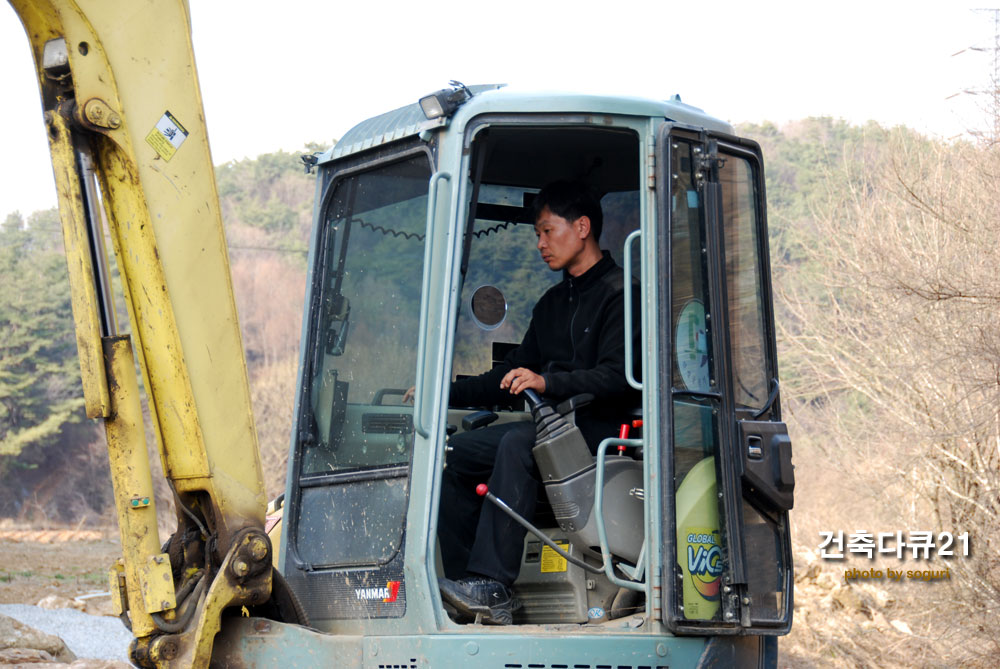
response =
{"points": [[571, 200]]}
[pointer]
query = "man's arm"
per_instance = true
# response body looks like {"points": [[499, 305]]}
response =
{"points": [[494, 387]]}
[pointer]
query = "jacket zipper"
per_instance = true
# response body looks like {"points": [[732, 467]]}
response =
{"points": [[572, 322]]}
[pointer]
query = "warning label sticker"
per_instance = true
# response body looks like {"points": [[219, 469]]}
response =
{"points": [[167, 136], [552, 562]]}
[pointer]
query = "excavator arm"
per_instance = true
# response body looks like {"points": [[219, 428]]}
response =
{"points": [[125, 124]]}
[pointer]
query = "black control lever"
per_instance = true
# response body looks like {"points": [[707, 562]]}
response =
{"points": [[533, 399], [549, 421]]}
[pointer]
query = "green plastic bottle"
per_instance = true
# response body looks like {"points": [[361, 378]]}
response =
{"points": [[699, 543]]}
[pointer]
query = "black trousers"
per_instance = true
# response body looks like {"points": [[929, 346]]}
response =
{"points": [[480, 539]]}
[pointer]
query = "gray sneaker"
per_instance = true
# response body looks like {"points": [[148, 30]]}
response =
{"points": [[484, 599]]}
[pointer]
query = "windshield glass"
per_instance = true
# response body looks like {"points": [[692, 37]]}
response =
{"points": [[364, 351]]}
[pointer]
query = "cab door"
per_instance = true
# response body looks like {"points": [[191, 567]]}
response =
{"points": [[728, 460]]}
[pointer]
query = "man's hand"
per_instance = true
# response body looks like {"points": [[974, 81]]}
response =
{"points": [[521, 378], [408, 395]]}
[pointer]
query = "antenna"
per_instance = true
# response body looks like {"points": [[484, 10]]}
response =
{"points": [[994, 92], [992, 107]]}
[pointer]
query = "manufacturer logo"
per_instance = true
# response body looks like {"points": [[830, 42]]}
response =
{"points": [[386, 594]]}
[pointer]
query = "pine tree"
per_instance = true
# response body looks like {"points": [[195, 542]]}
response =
{"points": [[40, 395]]}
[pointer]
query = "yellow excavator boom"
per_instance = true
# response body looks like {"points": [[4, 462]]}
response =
{"points": [[126, 128]]}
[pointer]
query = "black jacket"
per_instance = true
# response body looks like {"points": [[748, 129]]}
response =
{"points": [[576, 341]]}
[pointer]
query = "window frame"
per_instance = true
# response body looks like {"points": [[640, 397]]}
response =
{"points": [[298, 481]]}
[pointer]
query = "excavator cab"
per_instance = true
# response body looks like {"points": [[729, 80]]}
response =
{"points": [[423, 268]]}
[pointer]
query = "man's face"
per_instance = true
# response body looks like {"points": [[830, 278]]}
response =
{"points": [[561, 242]]}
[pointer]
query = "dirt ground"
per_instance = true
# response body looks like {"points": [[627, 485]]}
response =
{"points": [[33, 566]]}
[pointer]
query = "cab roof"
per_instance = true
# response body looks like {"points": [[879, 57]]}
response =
{"points": [[492, 98]]}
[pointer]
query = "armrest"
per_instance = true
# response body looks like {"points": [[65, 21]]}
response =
{"points": [[574, 403], [478, 419]]}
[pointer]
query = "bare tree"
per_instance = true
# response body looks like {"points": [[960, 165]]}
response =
{"points": [[893, 341]]}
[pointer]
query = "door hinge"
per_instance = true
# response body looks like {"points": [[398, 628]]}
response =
{"points": [[651, 162]]}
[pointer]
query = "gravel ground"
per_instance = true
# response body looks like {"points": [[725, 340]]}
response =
{"points": [[97, 637]]}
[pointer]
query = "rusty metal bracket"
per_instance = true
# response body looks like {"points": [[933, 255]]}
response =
{"points": [[243, 579], [98, 113]]}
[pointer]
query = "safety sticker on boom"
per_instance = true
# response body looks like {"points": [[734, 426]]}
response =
{"points": [[167, 136]]}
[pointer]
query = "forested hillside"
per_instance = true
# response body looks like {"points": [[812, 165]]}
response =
{"points": [[45, 438], [885, 248], [53, 464]]}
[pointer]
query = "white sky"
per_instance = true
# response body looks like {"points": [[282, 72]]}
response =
{"points": [[278, 75]]}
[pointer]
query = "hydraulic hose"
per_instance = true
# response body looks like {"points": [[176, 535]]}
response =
{"points": [[185, 611]]}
